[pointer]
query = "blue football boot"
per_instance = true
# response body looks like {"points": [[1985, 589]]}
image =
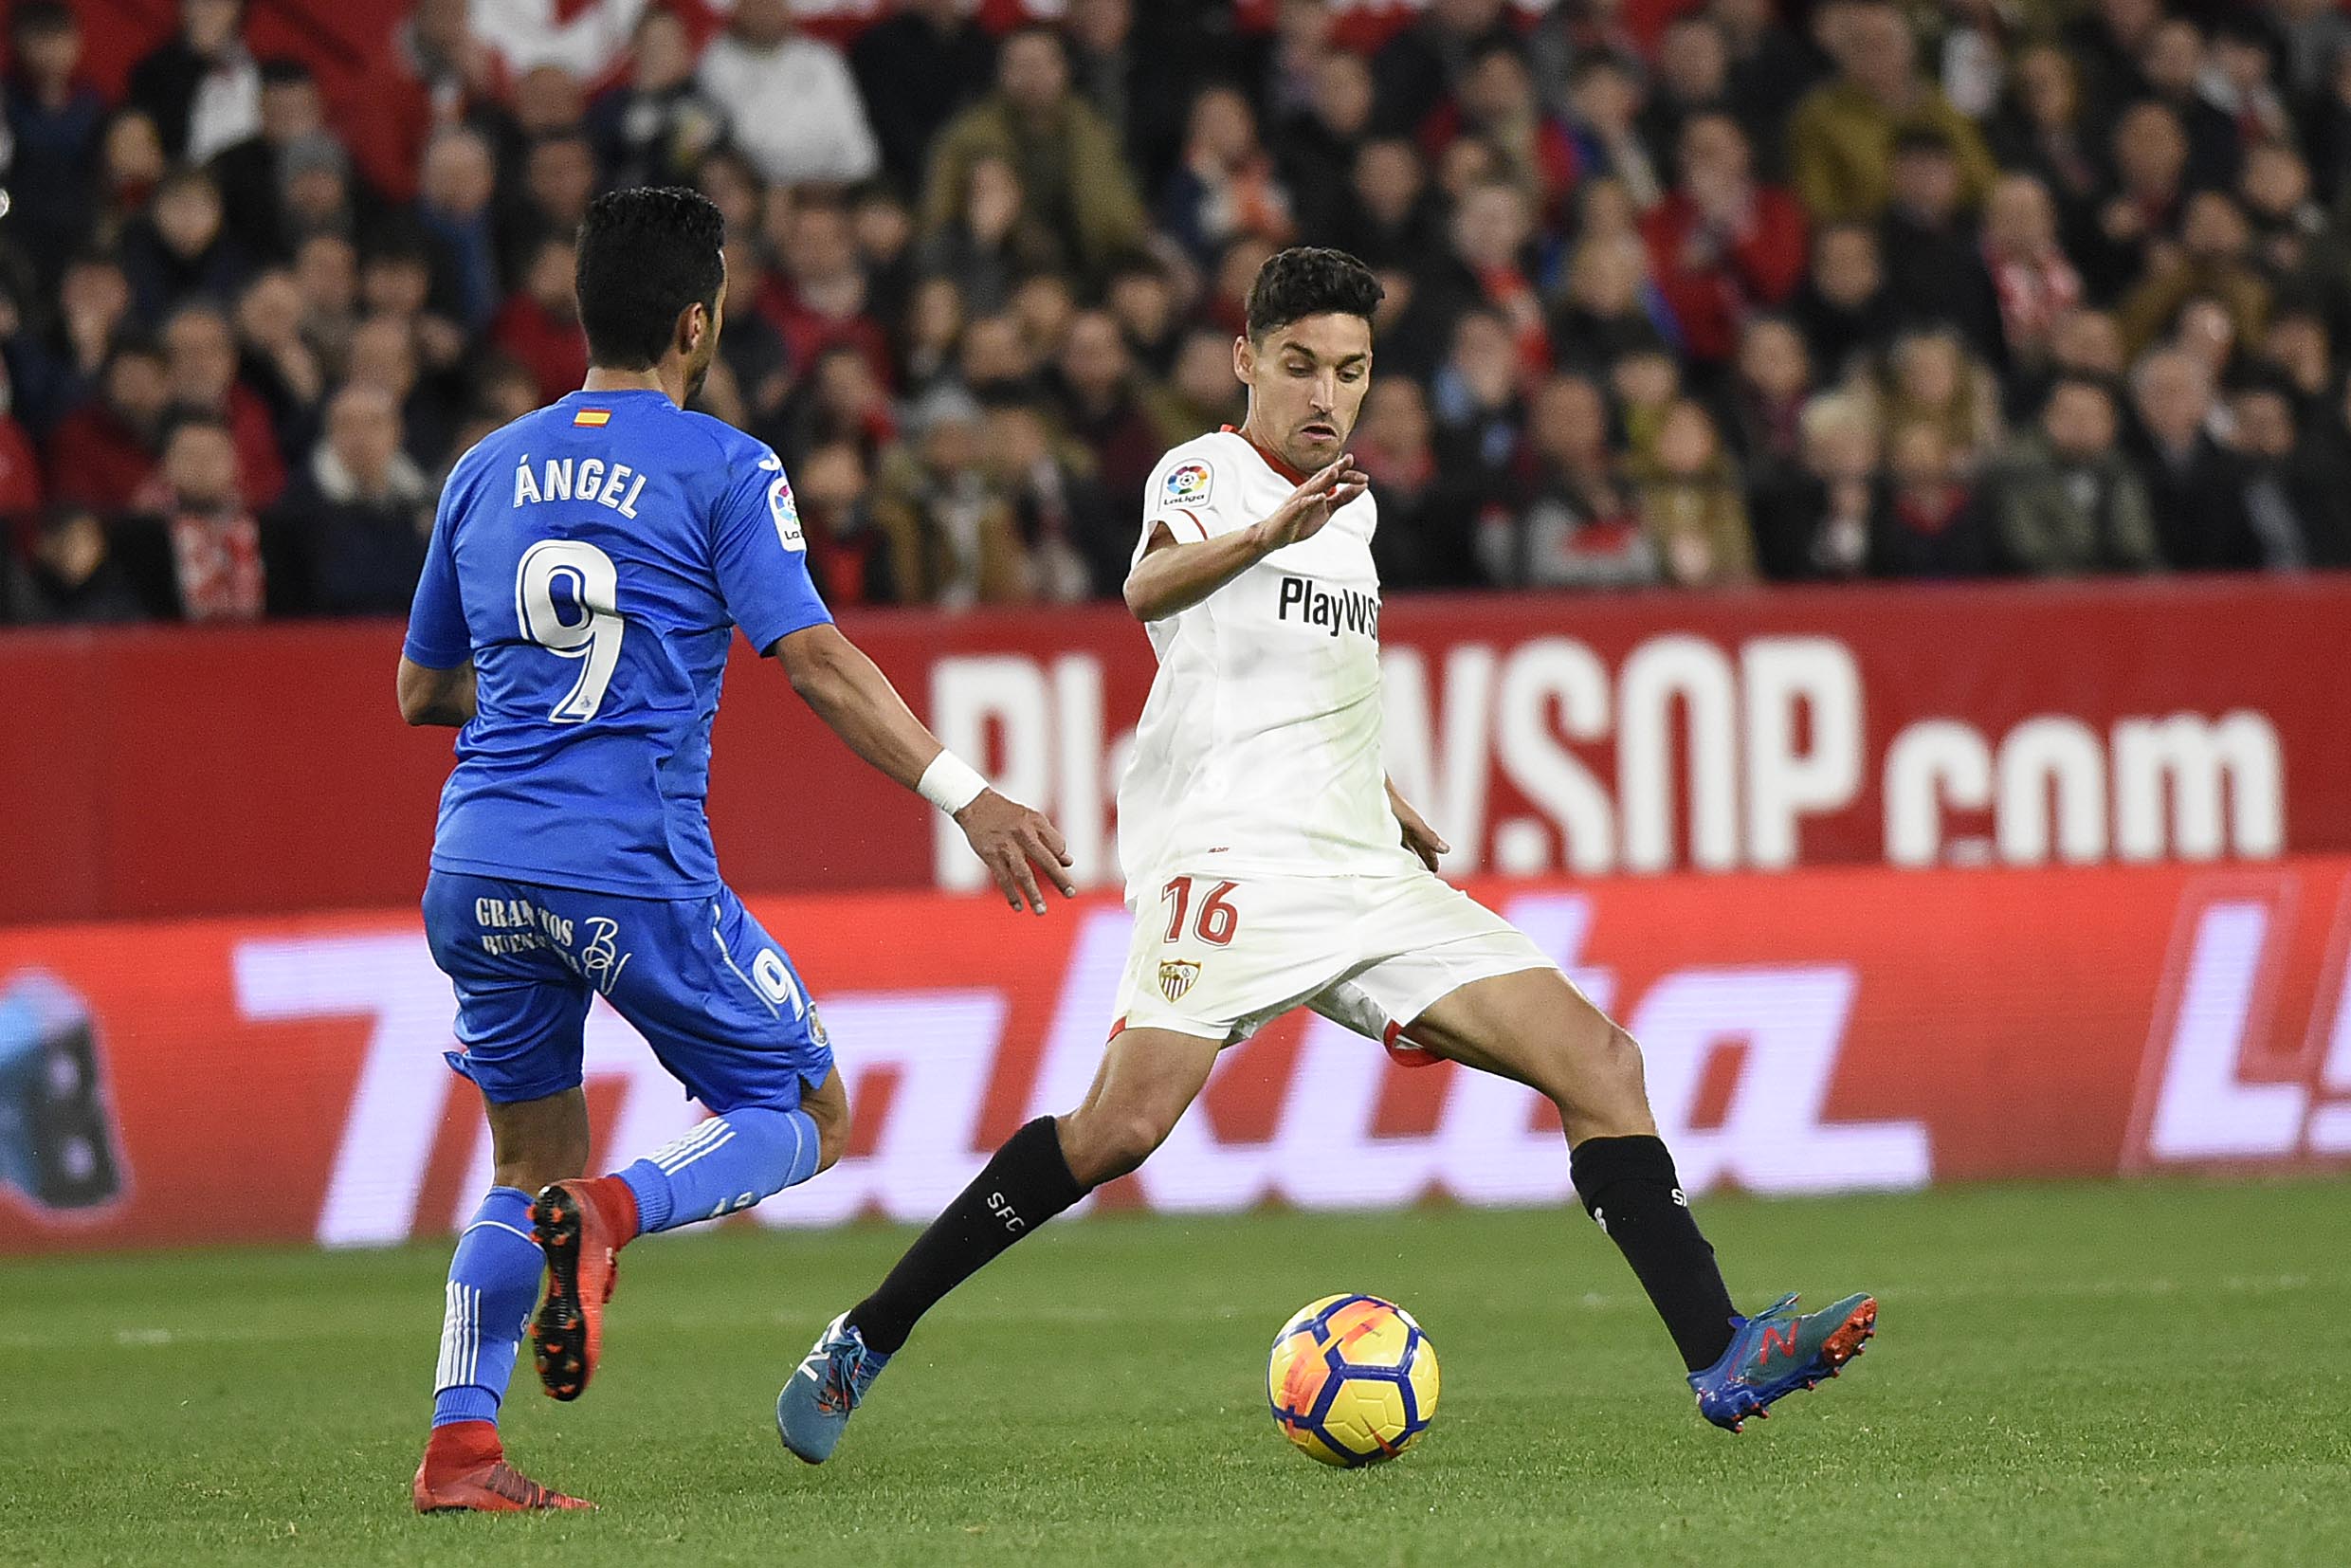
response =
{"points": [[1778, 1351], [832, 1383]]}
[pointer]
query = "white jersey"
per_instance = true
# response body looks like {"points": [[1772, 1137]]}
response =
{"points": [[1259, 752]]}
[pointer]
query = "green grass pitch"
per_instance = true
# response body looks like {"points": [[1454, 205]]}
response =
{"points": [[2137, 1374]]}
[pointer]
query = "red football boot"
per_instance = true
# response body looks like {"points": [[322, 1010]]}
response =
{"points": [[465, 1472], [581, 1226]]}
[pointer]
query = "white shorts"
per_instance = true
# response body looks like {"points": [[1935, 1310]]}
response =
{"points": [[1218, 958]]}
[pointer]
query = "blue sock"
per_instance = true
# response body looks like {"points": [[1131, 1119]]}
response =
{"points": [[493, 1286], [729, 1162]]}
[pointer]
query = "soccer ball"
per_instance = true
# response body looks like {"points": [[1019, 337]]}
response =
{"points": [[1353, 1381]]}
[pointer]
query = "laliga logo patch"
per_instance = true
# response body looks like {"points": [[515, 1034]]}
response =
{"points": [[1187, 486], [787, 514], [1176, 978]]}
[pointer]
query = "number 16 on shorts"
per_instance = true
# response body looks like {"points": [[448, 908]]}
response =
{"points": [[1215, 924]]}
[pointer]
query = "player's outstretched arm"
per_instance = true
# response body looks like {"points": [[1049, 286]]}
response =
{"points": [[429, 696], [857, 702], [1172, 577]]}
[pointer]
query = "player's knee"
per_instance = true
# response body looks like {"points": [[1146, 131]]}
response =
{"points": [[1607, 1091]]}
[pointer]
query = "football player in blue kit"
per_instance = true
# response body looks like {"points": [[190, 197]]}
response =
{"points": [[587, 571]]}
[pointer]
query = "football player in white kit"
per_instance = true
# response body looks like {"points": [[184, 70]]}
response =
{"points": [[1271, 864]]}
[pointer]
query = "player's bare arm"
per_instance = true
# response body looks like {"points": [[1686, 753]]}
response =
{"points": [[1419, 838], [858, 704], [429, 696], [1174, 576]]}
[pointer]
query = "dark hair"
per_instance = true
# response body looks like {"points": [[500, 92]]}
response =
{"points": [[36, 17], [1308, 279], [646, 255], [1921, 138], [2099, 384], [183, 419], [285, 72]]}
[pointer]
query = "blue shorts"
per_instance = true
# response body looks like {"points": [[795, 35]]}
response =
{"points": [[707, 986]]}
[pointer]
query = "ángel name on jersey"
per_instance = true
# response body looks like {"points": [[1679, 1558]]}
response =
{"points": [[616, 485], [1334, 610]]}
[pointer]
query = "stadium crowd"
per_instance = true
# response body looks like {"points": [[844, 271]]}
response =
{"points": [[1682, 292]]}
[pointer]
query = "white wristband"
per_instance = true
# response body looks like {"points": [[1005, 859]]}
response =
{"points": [[950, 783]]}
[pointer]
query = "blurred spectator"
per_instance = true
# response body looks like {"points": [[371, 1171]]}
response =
{"points": [[2300, 511], [454, 200], [197, 500], [361, 509], [53, 121], [2296, 346], [431, 73], [2150, 158], [2290, 229], [1318, 144], [1932, 524], [1603, 314], [52, 375], [791, 104], [2043, 126], [326, 273], [2314, 35], [102, 454], [1226, 186], [2195, 487], [72, 575], [1720, 246], [1691, 78], [1690, 504], [1488, 270], [131, 165], [1423, 65], [1072, 181], [2110, 37], [538, 325], [1100, 407], [821, 298], [2212, 262], [848, 556], [181, 250], [1604, 104], [1573, 525], [1138, 67], [915, 70], [1771, 69], [1770, 385], [253, 173], [952, 538], [20, 474], [276, 360], [840, 401], [2174, 64], [654, 128], [2033, 285], [985, 246], [1420, 528], [1071, 550], [1817, 522], [2241, 81], [1934, 260], [1392, 220], [1930, 376], [383, 353], [1841, 138], [1481, 415], [559, 181], [1844, 308], [200, 369], [2065, 500], [201, 87], [1201, 393], [1498, 106]]}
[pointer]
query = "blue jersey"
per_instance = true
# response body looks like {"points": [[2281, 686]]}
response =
{"points": [[593, 560]]}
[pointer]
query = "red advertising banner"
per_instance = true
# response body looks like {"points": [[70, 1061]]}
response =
{"points": [[192, 772], [280, 1079]]}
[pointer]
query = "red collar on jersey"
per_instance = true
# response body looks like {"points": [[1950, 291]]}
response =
{"points": [[1273, 459]]}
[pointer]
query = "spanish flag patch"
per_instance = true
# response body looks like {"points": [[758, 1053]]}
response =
{"points": [[593, 416]]}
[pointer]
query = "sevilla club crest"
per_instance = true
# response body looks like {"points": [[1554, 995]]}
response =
{"points": [[1176, 978]]}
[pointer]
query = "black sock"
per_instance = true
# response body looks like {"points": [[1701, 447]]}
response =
{"points": [[1026, 1184], [1628, 1185]]}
